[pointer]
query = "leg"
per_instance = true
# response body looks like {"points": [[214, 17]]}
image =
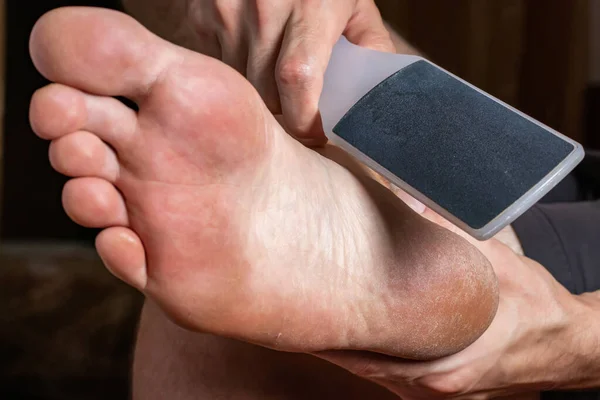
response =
{"points": [[272, 243], [174, 363]]}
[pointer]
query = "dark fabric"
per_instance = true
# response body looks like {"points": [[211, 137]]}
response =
{"points": [[582, 185], [568, 190], [562, 233], [564, 238]]}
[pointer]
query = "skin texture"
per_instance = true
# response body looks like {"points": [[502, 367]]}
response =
{"points": [[272, 243], [282, 47]]}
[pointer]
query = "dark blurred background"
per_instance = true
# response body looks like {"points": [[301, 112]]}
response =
{"points": [[66, 326]]}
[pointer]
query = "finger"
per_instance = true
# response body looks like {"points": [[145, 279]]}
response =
{"points": [[410, 201], [371, 365], [367, 29], [199, 31], [266, 22], [229, 16], [308, 40]]}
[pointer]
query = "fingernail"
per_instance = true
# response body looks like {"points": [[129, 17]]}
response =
{"points": [[313, 142], [410, 201]]}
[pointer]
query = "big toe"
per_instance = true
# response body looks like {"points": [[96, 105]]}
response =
{"points": [[97, 50]]}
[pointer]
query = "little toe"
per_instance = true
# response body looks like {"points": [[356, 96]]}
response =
{"points": [[94, 203], [82, 154], [57, 110], [123, 255]]}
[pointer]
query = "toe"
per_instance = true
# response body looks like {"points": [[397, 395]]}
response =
{"points": [[123, 254], [100, 51], [82, 154], [94, 203], [57, 110]]}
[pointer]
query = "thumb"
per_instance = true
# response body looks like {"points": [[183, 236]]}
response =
{"points": [[395, 374], [366, 28]]}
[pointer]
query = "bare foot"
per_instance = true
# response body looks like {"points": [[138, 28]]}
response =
{"points": [[230, 225]]}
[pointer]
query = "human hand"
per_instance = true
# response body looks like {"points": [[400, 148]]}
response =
{"points": [[283, 48], [534, 343]]}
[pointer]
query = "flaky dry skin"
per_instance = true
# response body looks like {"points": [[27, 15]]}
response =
{"points": [[229, 224]]}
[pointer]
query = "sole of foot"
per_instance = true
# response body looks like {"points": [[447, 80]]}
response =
{"points": [[231, 226]]}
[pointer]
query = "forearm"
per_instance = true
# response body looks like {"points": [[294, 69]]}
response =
{"points": [[563, 238], [561, 353], [584, 339]]}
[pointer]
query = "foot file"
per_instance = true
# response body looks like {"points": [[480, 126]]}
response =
{"points": [[471, 158]]}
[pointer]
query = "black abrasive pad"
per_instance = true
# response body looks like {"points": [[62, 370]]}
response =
{"points": [[464, 151]]}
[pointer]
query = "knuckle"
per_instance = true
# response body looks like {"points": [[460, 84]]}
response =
{"points": [[366, 368], [296, 73], [452, 384]]}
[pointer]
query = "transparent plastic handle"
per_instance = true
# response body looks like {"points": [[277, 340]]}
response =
{"points": [[352, 72]]}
